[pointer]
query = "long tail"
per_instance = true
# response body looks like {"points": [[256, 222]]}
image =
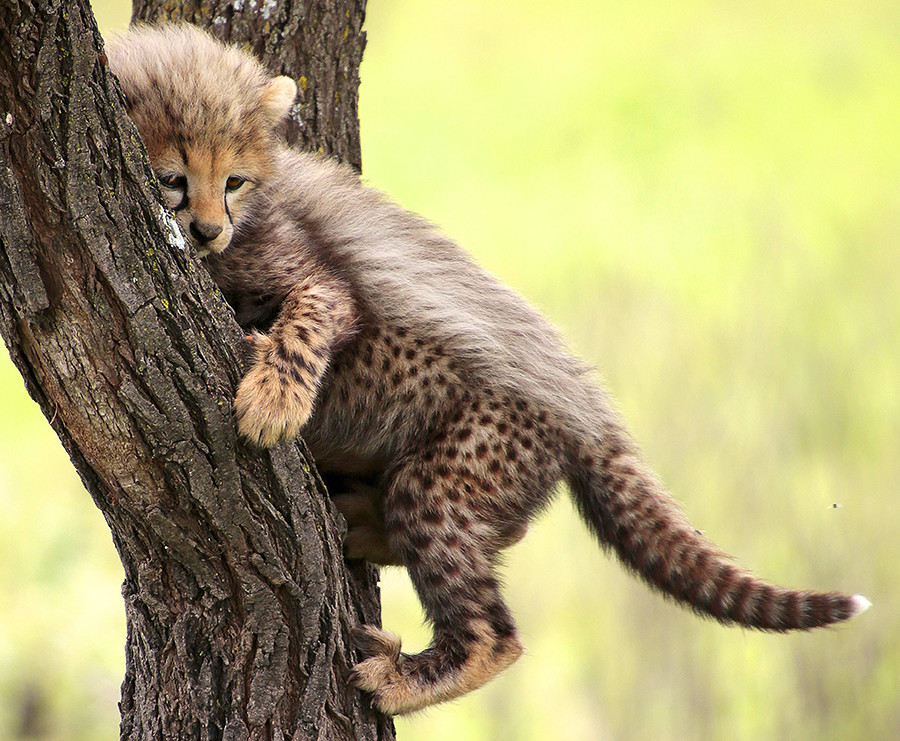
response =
{"points": [[629, 511]]}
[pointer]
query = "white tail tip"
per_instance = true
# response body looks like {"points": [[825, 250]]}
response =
{"points": [[860, 604]]}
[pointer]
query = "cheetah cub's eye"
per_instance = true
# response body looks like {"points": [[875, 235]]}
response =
{"points": [[173, 182], [234, 182]]}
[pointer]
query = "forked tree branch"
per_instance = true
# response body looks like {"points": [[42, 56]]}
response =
{"points": [[237, 598]]}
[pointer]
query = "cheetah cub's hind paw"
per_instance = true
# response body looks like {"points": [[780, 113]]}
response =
{"points": [[379, 673], [271, 404]]}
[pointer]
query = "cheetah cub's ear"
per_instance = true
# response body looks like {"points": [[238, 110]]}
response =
{"points": [[278, 97]]}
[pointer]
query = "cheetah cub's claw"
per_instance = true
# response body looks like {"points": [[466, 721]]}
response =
{"points": [[270, 404]]}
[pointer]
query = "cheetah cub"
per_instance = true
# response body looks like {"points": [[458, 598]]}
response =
{"points": [[441, 404]]}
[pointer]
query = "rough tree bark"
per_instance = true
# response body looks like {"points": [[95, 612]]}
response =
{"points": [[238, 602]]}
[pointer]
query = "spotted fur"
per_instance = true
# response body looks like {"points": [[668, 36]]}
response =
{"points": [[443, 409]]}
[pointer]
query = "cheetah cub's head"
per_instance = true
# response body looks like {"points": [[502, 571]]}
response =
{"points": [[210, 117]]}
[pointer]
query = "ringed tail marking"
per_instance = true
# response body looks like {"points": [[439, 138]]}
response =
{"points": [[629, 511]]}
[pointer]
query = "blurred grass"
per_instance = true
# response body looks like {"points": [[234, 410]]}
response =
{"points": [[705, 197]]}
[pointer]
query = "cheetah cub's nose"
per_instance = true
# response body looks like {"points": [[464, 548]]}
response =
{"points": [[204, 233]]}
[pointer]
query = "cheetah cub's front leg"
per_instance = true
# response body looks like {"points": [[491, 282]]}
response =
{"points": [[276, 397]]}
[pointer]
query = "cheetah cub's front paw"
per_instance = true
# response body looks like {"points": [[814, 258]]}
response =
{"points": [[271, 404]]}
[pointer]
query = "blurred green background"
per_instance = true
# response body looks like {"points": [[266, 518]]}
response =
{"points": [[705, 196]]}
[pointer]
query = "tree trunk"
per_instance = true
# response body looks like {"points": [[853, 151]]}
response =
{"points": [[238, 602]]}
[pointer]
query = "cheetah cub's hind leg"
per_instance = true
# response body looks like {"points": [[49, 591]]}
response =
{"points": [[360, 504], [449, 553]]}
